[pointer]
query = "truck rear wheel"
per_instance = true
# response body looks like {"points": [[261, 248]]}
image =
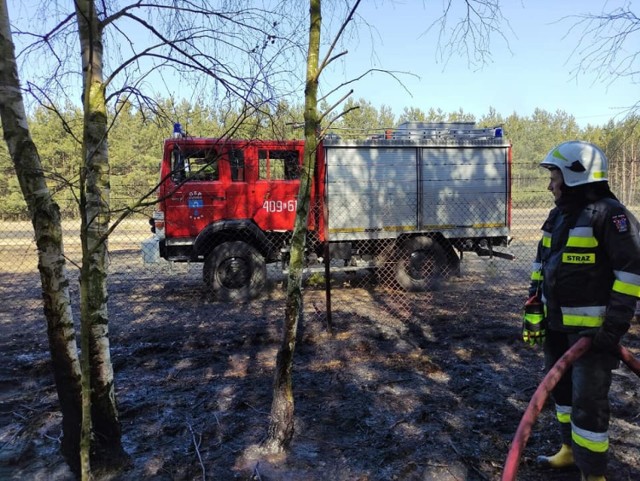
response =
{"points": [[421, 264], [235, 271]]}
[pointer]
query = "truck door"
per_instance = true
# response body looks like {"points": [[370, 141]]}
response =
{"points": [[276, 187], [198, 195]]}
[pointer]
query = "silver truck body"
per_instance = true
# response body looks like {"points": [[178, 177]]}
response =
{"points": [[384, 188]]}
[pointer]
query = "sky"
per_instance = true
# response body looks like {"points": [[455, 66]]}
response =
{"points": [[532, 67]]}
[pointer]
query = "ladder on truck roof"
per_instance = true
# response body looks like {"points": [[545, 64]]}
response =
{"points": [[419, 132], [442, 130]]}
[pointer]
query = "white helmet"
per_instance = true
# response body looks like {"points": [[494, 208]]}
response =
{"points": [[580, 162]]}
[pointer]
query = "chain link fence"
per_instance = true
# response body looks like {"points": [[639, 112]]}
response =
{"points": [[389, 275]]}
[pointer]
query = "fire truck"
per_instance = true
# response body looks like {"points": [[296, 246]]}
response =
{"points": [[408, 202]]}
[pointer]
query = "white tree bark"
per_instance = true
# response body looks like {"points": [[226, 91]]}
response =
{"points": [[101, 427], [45, 217]]}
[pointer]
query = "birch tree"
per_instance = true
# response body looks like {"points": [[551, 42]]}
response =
{"points": [[99, 410], [281, 427], [45, 218], [282, 407]]}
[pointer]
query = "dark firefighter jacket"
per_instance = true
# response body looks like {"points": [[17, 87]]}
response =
{"points": [[587, 268]]}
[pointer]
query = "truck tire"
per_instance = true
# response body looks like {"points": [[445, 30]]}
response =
{"points": [[235, 271], [421, 264]]}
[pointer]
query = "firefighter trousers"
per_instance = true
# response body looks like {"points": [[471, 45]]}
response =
{"points": [[582, 401]]}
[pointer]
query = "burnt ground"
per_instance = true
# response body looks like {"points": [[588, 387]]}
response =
{"points": [[420, 387]]}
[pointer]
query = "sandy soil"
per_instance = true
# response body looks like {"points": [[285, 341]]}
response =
{"points": [[433, 393]]}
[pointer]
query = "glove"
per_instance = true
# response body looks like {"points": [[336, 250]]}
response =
{"points": [[534, 324]]}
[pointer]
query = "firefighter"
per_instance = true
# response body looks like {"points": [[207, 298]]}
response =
{"points": [[585, 282]]}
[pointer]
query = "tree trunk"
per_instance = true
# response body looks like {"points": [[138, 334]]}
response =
{"points": [[106, 445], [281, 427], [45, 217]]}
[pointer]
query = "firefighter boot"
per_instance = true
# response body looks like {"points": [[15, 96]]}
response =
{"points": [[562, 459], [592, 477]]}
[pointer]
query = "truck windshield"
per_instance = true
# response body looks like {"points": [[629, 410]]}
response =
{"points": [[195, 165]]}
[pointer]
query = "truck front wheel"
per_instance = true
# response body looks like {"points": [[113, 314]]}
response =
{"points": [[235, 271], [421, 264]]}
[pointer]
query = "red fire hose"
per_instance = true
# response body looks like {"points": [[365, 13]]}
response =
{"points": [[631, 362], [542, 393]]}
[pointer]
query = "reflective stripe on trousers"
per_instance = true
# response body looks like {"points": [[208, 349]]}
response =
{"points": [[591, 440], [563, 413]]}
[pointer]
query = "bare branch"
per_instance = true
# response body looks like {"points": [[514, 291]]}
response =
{"points": [[324, 130], [331, 108], [191, 61], [328, 57], [336, 57], [608, 45], [45, 38], [50, 106], [391, 73], [471, 35]]}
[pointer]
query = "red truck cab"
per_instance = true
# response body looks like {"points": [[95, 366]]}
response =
{"points": [[240, 193]]}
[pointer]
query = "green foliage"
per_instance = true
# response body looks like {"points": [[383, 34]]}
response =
{"points": [[410, 114], [12, 203], [56, 136], [360, 120]]}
